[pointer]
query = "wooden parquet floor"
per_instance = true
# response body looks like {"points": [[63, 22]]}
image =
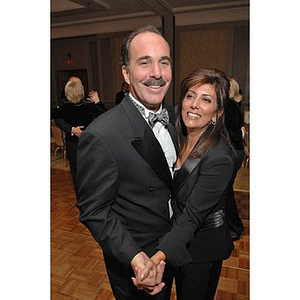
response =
{"points": [[77, 265]]}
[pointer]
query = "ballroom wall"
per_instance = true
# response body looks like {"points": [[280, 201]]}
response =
{"points": [[223, 45]]}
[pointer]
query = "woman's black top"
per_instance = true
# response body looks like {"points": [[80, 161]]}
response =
{"points": [[71, 114]]}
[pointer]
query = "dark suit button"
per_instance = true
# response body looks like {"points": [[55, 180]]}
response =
{"points": [[151, 189]]}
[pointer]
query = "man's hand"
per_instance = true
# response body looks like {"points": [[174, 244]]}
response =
{"points": [[155, 260], [149, 281], [138, 263], [77, 130]]}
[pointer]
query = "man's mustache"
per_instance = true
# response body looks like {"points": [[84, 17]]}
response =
{"points": [[155, 82]]}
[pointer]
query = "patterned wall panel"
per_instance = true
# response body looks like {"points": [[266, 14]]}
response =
{"points": [[240, 61], [203, 48]]}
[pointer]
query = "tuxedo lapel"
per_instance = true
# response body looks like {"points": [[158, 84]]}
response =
{"points": [[152, 153], [146, 143], [182, 175]]}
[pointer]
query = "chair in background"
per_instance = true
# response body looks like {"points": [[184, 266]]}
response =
{"points": [[59, 142], [52, 146]]}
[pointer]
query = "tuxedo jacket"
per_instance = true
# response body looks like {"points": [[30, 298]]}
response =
{"points": [[123, 183], [199, 189]]}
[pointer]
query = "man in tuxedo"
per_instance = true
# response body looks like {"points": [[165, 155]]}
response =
{"points": [[125, 168]]}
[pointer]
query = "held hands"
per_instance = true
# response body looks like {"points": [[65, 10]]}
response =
{"points": [[94, 97], [148, 274]]}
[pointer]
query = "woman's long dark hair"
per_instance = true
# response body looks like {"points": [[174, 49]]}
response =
{"points": [[213, 133]]}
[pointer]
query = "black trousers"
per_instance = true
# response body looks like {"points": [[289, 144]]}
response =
{"points": [[71, 148], [198, 281], [124, 289]]}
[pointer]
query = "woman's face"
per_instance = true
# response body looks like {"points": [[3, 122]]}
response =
{"points": [[199, 108]]}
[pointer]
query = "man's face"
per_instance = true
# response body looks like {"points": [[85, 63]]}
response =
{"points": [[150, 73]]}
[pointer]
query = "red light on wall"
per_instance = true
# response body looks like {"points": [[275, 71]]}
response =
{"points": [[70, 60]]}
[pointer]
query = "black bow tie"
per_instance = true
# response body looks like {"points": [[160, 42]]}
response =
{"points": [[162, 117]]}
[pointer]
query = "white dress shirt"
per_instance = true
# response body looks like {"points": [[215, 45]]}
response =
{"points": [[162, 135]]}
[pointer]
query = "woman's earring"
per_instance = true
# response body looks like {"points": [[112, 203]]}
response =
{"points": [[213, 123]]}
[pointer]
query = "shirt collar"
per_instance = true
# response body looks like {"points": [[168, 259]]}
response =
{"points": [[147, 111]]}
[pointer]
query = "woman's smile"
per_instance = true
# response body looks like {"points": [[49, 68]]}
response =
{"points": [[193, 115]]}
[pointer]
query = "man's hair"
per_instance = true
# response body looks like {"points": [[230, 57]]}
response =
{"points": [[129, 38]]}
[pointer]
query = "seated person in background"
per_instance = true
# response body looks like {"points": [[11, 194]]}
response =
{"points": [[74, 115]]}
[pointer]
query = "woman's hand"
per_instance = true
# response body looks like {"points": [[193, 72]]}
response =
{"points": [[156, 259], [150, 283], [148, 274], [94, 97]]}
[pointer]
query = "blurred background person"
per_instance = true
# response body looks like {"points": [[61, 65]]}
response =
{"points": [[74, 115], [121, 94], [234, 122]]}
